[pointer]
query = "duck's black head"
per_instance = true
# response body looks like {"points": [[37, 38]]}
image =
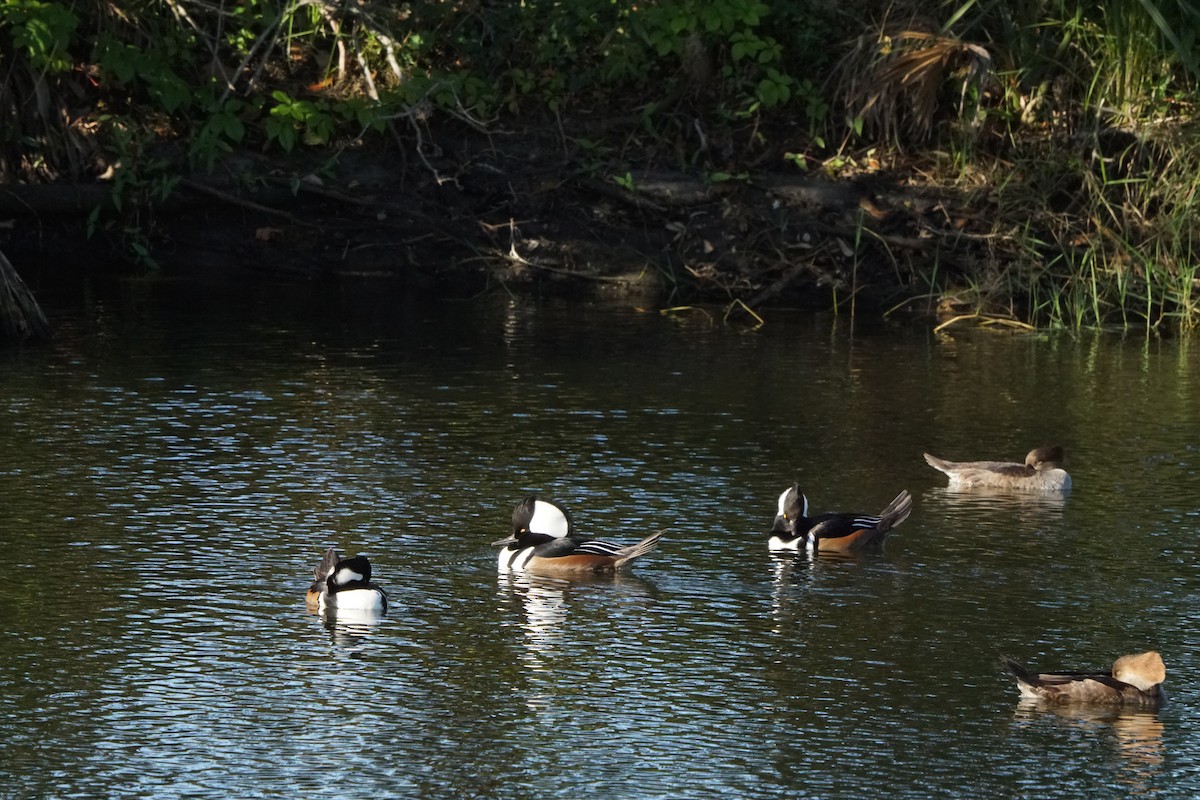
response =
{"points": [[349, 573], [793, 506]]}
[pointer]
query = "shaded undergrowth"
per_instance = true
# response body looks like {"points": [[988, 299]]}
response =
{"points": [[1056, 137]]}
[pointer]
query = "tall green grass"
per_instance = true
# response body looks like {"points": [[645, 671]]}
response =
{"points": [[1085, 128]]}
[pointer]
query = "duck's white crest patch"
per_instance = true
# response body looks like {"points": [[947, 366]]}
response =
{"points": [[782, 502], [346, 575], [548, 519]]}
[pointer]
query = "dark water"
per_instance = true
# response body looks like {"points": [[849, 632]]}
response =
{"points": [[174, 464]]}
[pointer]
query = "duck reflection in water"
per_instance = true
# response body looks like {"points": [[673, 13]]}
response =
{"points": [[784, 595], [985, 500], [545, 602], [795, 577], [350, 631], [1138, 735], [543, 605]]}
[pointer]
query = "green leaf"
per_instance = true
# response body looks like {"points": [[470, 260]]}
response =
{"points": [[232, 127], [282, 131], [169, 90], [42, 30]]}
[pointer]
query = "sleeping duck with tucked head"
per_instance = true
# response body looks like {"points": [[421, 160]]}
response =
{"points": [[544, 542], [1135, 682], [1041, 472], [344, 584]]}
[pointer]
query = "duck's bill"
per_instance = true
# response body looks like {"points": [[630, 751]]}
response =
{"points": [[501, 542]]}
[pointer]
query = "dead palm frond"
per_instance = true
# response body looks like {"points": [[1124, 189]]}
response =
{"points": [[894, 84]]}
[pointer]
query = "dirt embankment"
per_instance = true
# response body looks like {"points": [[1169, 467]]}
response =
{"points": [[529, 215]]}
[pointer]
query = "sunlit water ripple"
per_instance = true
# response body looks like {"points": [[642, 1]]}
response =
{"points": [[171, 487]]}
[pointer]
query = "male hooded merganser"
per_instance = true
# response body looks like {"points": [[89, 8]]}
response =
{"points": [[345, 584], [838, 531], [1135, 680], [544, 541], [1041, 472]]}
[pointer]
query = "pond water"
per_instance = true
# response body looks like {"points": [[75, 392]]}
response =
{"points": [[176, 461]]}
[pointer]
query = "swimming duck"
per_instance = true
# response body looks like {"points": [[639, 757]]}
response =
{"points": [[1041, 472], [345, 584], [1135, 680], [837, 531], [544, 541]]}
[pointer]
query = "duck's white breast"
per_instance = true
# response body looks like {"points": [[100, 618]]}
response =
{"points": [[775, 543], [354, 600], [513, 561]]}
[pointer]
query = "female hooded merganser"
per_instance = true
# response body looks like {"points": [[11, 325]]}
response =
{"points": [[1041, 472], [345, 584], [1135, 680], [839, 532], [544, 542]]}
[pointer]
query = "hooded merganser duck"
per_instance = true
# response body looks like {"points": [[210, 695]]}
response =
{"points": [[837, 531], [1041, 472], [345, 584], [1135, 680], [544, 542]]}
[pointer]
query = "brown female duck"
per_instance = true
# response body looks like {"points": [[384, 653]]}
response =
{"points": [[1135, 680], [1041, 472]]}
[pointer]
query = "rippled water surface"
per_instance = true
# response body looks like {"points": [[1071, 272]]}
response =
{"points": [[176, 461]]}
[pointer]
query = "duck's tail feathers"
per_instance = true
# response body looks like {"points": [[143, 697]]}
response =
{"points": [[1018, 670], [939, 464], [1029, 684], [896, 512], [631, 552]]}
